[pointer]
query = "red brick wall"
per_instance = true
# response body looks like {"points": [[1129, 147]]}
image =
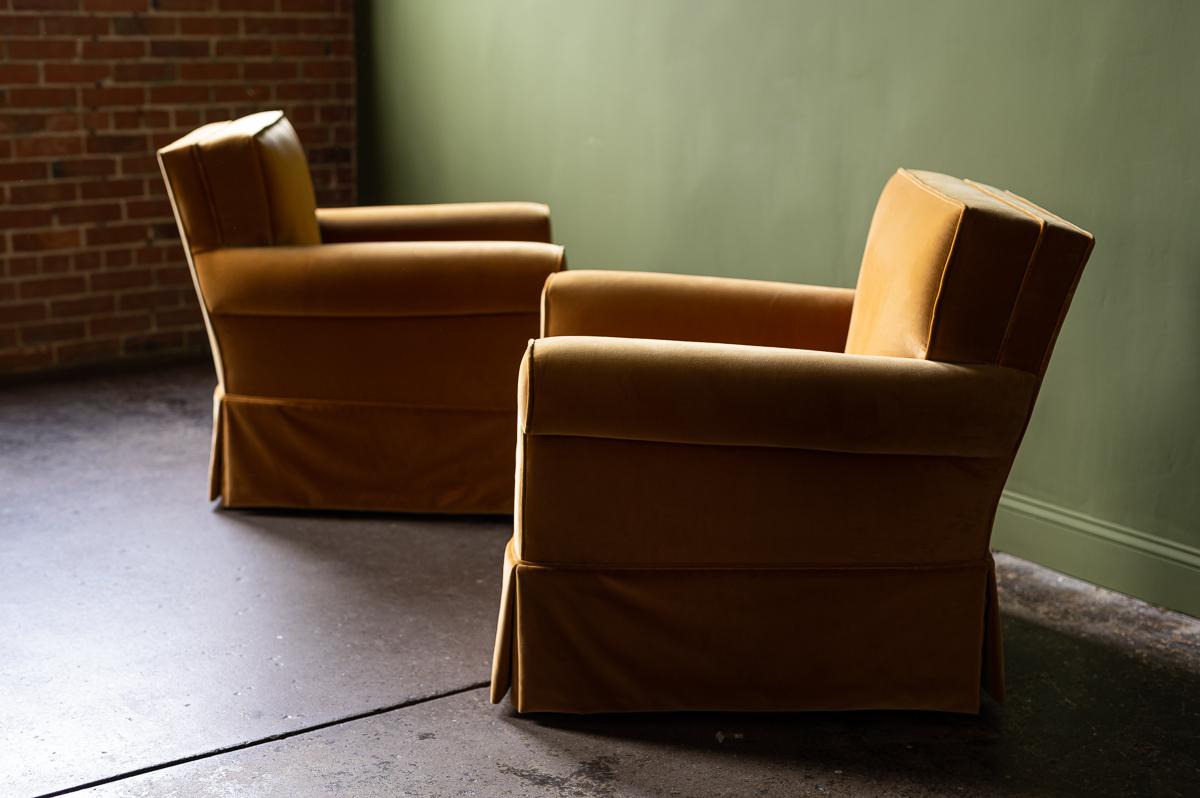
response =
{"points": [[91, 269]]}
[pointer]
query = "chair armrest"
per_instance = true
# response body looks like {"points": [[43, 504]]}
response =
{"points": [[691, 308], [377, 279], [733, 395], [476, 221]]}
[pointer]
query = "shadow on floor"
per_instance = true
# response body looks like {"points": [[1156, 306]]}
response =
{"points": [[1081, 719]]}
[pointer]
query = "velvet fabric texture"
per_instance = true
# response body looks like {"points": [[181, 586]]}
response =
{"points": [[736, 495], [366, 357]]}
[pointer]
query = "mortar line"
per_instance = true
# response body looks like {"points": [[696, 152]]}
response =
{"points": [[370, 713]]}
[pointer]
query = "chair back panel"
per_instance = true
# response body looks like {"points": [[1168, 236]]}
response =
{"points": [[943, 268], [242, 183], [1047, 289]]}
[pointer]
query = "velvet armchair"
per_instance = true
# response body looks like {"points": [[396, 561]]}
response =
{"points": [[740, 495], [366, 358]]}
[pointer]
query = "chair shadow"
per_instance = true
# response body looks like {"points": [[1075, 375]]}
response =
{"points": [[1081, 719]]}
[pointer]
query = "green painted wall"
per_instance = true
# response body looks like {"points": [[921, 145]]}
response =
{"points": [[751, 137]]}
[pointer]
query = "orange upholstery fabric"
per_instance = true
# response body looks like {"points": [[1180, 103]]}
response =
{"points": [[376, 373], [482, 221], [686, 308], [714, 515]]}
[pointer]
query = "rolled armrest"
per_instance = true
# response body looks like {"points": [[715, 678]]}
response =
{"points": [[690, 308], [475, 221], [377, 279], [733, 395]]}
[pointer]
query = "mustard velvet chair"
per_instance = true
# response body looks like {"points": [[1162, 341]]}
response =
{"points": [[739, 495], [366, 359]]}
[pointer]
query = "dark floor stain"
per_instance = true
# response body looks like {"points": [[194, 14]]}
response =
{"points": [[593, 777]]}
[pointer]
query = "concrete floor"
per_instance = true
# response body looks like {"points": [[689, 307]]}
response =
{"points": [[153, 645]]}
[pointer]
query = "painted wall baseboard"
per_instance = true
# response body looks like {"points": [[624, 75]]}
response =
{"points": [[1127, 560]]}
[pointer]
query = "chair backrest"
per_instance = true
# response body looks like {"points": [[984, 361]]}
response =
{"points": [[242, 183], [962, 272]]}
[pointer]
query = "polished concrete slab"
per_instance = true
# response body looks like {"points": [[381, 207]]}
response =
{"points": [[139, 624], [1105, 701], [145, 633]]}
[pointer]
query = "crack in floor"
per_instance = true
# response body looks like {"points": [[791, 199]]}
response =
{"points": [[370, 713]]}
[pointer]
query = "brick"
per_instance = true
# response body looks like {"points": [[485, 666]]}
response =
{"points": [[308, 6], [11, 74], [52, 286], [113, 144], [86, 261], [117, 325], [41, 98], [113, 96], [325, 26], [95, 120], [178, 94], [240, 93], [210, 71], [22, 171], [46, 239], [49, 146], [62, 121], [28, 122], [302, 114], [82, 306], [140, 165], [42, 49], [115, 234], [271, 70], [243, 47], [175, 48], [146, 300], [304, 91], [76, 73], [152, 25], [209, 26], [185, 5], [84, 167], [336, 113], [273, 25], [87, 214], [142, 119], [329, 69], [119, 281], [158, 208], [54, 264], [45, 5], [52, 331], [260, 6], [22, 266], [18, 26], [116, 5], [113, 188], [144, 72], [21, 314], [17, 218], [118, 258], [113, 49], [76, 26], [301, 47]]}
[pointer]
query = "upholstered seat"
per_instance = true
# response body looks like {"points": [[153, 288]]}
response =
{"points": [[737, 495], [366, 357]]}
